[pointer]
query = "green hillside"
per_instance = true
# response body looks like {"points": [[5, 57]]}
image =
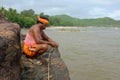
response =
{"points": [[27, 18], [65, 20]]}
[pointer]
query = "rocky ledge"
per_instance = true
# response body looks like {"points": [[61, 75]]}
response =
{"points": [[15, 65]]}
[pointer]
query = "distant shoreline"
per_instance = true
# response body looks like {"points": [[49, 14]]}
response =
{"points": [[60, 27], [68, 27]]}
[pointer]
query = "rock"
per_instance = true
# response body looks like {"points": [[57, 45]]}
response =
{"points": [[55, 69], [10, 50], [58, 69]]}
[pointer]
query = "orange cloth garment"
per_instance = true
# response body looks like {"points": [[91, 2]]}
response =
{"points": [[42, 20], [29, 52]]}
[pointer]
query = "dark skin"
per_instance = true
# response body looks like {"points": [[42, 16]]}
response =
{"points": [[42, 40]]}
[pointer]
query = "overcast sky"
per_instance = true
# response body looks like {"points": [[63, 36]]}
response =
{"points": [[74, 8]]}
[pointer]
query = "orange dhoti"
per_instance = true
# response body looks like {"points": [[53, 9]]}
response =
{"points": [[30, 51]]}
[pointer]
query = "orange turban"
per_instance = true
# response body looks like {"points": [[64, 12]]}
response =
{"points": [[42, 20]]}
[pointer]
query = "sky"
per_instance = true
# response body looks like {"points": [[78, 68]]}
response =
{"points": [[75, 8]]}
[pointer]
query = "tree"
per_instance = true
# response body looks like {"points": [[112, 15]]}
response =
{"points": [[28, 13]]}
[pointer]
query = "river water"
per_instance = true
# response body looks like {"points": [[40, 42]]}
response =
{"points": [[90, 53]]}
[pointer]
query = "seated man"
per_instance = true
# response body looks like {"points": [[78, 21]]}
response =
{"points": [[36, 41]]}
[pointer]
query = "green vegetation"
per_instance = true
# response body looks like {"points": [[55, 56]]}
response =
{"points": [[27, 18]]}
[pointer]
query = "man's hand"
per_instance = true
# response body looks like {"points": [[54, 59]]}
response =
{"points": [[54, 44]]}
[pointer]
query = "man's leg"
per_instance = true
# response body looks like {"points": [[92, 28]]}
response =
{"points": [[41, 48]]}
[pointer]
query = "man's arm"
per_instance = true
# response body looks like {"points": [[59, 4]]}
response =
{"points": [[46, 37], [38, 37], [52, 43]]}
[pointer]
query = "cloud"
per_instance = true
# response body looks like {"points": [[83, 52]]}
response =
{"points": [[98, 12], [54, 11], [77, 8], [101, 2], [115, 14]]}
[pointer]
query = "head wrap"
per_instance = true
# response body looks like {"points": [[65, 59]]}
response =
{"points": [[42, 20]]}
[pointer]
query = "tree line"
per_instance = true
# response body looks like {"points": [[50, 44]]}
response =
{"points": [[27, 18]]}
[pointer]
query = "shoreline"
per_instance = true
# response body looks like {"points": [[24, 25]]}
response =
{"points": [[59, 27], [72, 27]]}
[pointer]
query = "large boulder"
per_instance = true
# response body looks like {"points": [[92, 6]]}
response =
{"points": [[10, 50], [58, 69]]}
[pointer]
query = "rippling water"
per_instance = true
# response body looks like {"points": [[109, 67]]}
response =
{"points": [[91, 53]]}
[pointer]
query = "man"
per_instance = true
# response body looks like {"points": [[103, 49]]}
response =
{"points": [[36, 41]]}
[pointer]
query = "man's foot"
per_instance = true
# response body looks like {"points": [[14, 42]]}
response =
{"points": [[43, 60], [39, 62]]}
